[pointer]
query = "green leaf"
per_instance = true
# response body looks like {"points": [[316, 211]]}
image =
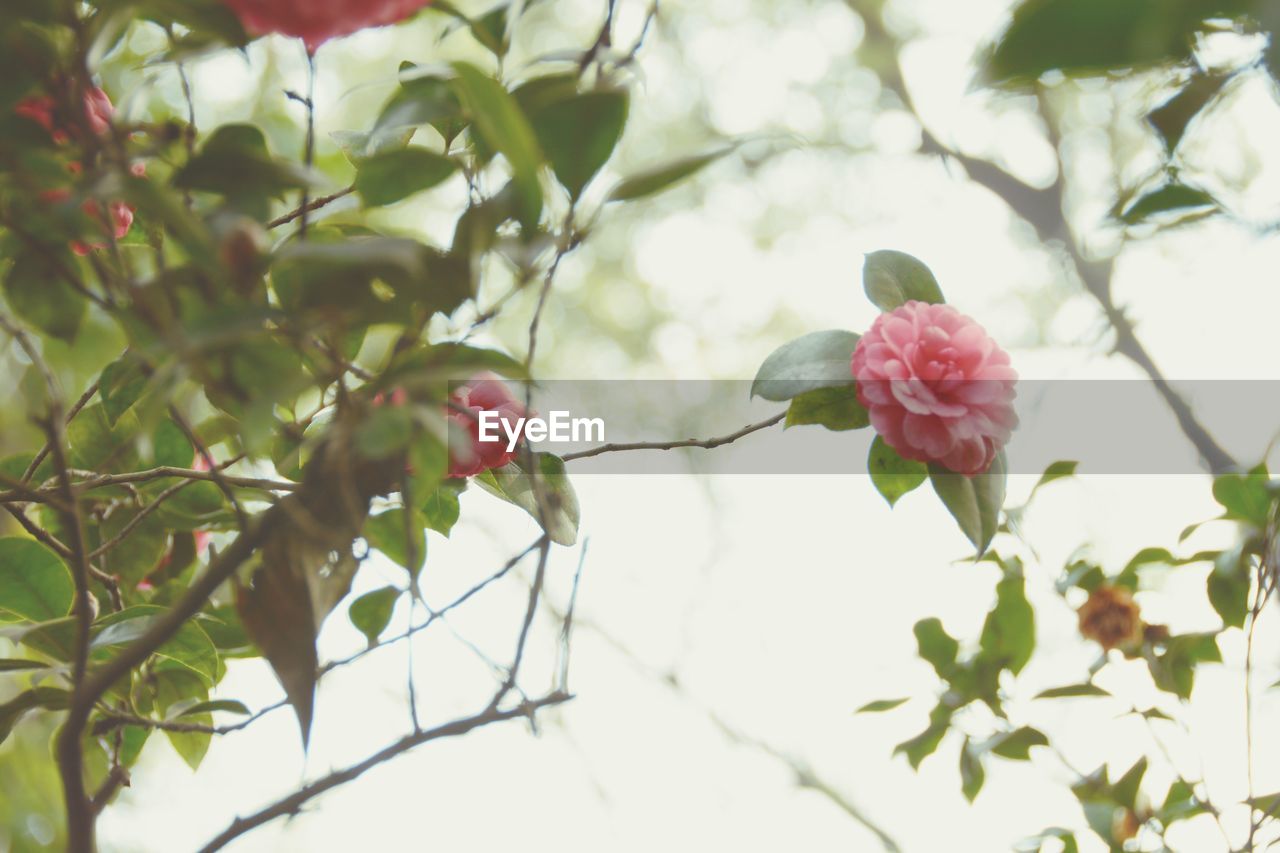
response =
{"points": [[892, 475], [920, 747], [1072, 691], [836, 408], [1055, 471], [816, 360], [1016, 745], [1126, 787], [1244, 496], [1009, 633], [441, 509], [229, 706], [175, 689], [1171, 118], [513, 484], [972, 775], [371, 612], [28, 700], [120, 385], [658, 178], [1229, 595], [579, 132], [387, 532], [975, 502], [880, 705], [1177, 201], [424, 97], [503, 127], [236, 163], [34, 582], [936, 645], [37, 291], [1091, 36], [891, 279], [97, 445], [189, 648], [18, 664], [391, 176]]}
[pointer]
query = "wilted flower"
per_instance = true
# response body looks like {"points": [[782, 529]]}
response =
{"points": [[1111, 618]]}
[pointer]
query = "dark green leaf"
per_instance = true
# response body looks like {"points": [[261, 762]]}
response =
{"points": [[1009, 633], [836, 408], [387, 532], [975, 502], [37, 291], [1090, 36], [1016, 745], [1126, 787], [891, 279], [659, 178], [972, 775], [578, 132], [391, 176], [34, 582], [816, 360], [229, 706], [503, 127], [29, 700], [1171, 118], [892, 475], [1072, 690], [936, 645], [371, 612], [881, 705], [1177, 201]]}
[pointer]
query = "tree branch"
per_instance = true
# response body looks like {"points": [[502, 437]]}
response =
{"points": [[293, 803], [707, 443]]}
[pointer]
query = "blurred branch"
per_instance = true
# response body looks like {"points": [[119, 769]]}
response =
{"points": [[111, 721], [294, 802], [1043, 209], [310, 207], [708, 443], [805, 776]]}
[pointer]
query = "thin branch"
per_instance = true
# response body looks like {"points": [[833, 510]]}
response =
{"points": [[112, 721], [294, 802], [707, 443], [71, 414], [138, 518], [311, 207]]}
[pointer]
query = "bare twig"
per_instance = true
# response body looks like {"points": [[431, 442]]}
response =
{"points": [[311, 207], [71, 414], [293, 803], [707, 443], [114, 720]]}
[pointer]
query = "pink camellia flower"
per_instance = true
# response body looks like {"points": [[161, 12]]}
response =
{"points": [[937, 387], [317, 21], [485, 393], [118, 216]]}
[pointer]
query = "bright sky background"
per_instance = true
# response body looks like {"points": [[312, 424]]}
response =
{"points": [[781, 603]]}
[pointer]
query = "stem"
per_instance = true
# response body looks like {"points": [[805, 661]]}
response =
{"points": [[309, 153]]}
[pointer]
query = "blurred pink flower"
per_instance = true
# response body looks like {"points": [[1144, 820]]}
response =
{"points": [[937, 387], [98, 111], [317, 21], [484, 393]]}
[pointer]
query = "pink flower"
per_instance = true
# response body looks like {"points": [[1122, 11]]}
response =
{"points": [[485, 393], [117, 216], [937, 387], [317, 21]]}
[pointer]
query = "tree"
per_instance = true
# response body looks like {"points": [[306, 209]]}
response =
{"points": [[233, 390]]}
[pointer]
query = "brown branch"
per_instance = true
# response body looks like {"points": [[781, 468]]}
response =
{"points": [[310, 207], [294, 802], [71, 414], [112, 721], [140, 517], [707, 443]]}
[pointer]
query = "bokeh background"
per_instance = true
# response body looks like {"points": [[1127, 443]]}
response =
{"points": [[727, 627]]}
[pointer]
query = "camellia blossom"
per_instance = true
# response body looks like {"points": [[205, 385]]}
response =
{"points": [[318, 21], [1111, 618], [937, 387], [485, 393], [98, 111]]}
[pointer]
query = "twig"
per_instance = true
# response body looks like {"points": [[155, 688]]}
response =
{"points": [[139, 517], [293, 803], [110, 722], [707, 443], [310, 207], [71, 414]]}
